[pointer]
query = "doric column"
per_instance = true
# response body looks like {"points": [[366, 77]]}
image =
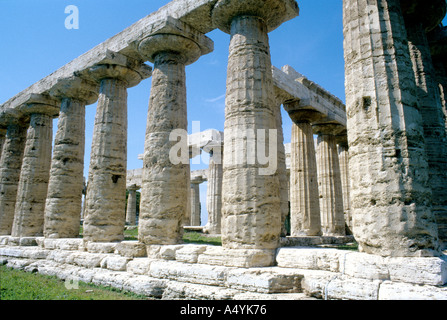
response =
{"points": [[388, 167], [343, 158], [195, 203], [251, 213], [104, 218], [329, 180], [10, 166], [35, 172], [214, 192], [131, 212], [420, 18], [64, 199], [165, 181], [2, 138], [304, 196]]}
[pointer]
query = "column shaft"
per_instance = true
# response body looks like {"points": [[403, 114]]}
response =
{"points": [[251, 213], [106, 194], [331, 196], [343, 157], [164, 193], [131, 213], [34, 175], [10, 166], [64, 199], [388, 167], [214, 192], [195, 204], [304, 196]]}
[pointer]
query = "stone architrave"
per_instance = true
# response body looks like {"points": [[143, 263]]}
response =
{"points": [[63, 205], [195, 203], [166, 174], [105, 201], [35, 172], [305, 217], [390, 194], [131, 212], [214, 192], [343, 158], [419, 20], [10, 166], [329, 180], [251, 212]]}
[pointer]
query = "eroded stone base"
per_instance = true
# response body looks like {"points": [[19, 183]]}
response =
{"points": [[189, 271]]}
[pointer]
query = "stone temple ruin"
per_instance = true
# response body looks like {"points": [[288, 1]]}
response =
{"points": [[378, 174]]}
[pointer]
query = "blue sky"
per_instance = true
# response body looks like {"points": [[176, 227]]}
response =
{"points": [[35, 43]]}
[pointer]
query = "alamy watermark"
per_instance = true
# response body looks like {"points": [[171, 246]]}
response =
{"points": [[72, 20], [249, 147]]}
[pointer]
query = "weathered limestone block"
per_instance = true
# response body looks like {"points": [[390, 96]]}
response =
{"points": [[62, 244], [115, 263], [177, 290], [310, 258], [101, 247], [104, 216], [139, 266], [107, 278], [144, 285], [273, 280], [345, 288], [164, 252], [315, 281], [189, 253], [305, 217], [251, 215], [85, 259], [165, 182], [64, 198], [10, 166], [244, 258], [404, 291], [388, 167], [34, 175], [182, 272], [130, 249], [329, 180]]}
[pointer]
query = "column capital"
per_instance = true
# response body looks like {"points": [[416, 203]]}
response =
{"points": [[328, 129], [427, 12], [42, 104], [273, 12], [187, 50], [76, 88], [130, 76], [132, 187], [304, 115]]}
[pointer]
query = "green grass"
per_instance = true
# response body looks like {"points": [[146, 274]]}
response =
{"points": [[21, 285]]}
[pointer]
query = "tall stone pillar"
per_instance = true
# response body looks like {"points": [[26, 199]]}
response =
{"points": [[105, 213], [304, 196], [63, 205], [214, 192], [343, 158], [165, 180], [10, 166], [35, 172], [131, 212], [388, 168], [329, 180], [251, 213], [420, 18], [195, 203]]}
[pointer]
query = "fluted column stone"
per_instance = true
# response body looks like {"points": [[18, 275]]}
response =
{"points": [[214, 192], [390, 194], [35, 171], [251, 212], [131, 212], [10, 166], [195, 203], [164, 192], [305, 217], [104, 218], [343, 158], [63, 205], [329, 180]]}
